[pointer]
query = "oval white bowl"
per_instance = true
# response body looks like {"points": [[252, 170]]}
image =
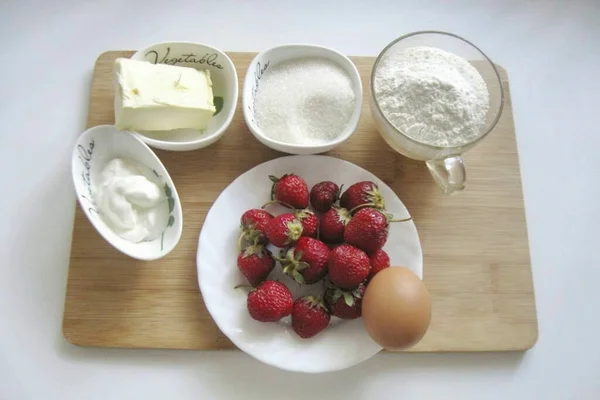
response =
{"points": [[260, 66], [93, 150], [225, 85]]}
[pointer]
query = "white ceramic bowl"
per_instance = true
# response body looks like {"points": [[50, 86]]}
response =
{"points": [[259, 67], [93, 150], [225, 86], [345, 342]]}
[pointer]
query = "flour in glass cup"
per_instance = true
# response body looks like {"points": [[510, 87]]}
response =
{"points": [[432, 96], [307, 101]]}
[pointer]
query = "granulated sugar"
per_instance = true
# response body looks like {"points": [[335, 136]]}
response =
{"points": [[304, 101], [432, 96]]}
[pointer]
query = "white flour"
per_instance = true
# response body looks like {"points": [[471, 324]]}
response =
{"points": [[432, 96]]}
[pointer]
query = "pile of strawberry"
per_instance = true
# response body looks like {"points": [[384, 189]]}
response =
{"points": [[342, 247]]}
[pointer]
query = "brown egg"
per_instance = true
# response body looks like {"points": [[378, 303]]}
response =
{"points": [[396, 308]]}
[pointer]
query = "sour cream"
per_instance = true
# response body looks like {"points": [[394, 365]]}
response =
{"points": [[130, 203]]}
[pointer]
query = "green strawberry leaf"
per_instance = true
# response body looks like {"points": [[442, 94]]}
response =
{"points": [[348, 299], [302, 266], [290, 256], [168, 190], [288, 270], [218, 101], [298, 277], [336, 295], [171, 221], [171, 202]]}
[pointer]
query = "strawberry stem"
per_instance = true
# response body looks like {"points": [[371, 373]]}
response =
{"points": [[361, 206], [282, 203], [401, 220], [338, 195], [278, 258]]}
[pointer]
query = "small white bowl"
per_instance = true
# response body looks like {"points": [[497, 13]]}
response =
{"points": [[93, 150], [259, 67], [225, 86]]}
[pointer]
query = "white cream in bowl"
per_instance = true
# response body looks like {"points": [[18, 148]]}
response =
{"points": [[158, 233]]}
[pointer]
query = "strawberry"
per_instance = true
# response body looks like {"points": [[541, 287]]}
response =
{"points": [[323, 195], [255, 263], [309, 221], [270, 302], [379, 260], [290, 190], [283, 230], [364, 193], [348, 266], [345, 304], [367, 230], [253, 223], [309, 317], [306, 262], [333, 224]]}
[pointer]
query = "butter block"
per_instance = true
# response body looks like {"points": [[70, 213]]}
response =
{"points": [[159, 97]]}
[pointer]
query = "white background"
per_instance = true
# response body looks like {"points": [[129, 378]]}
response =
{"points": [[551, 50]]}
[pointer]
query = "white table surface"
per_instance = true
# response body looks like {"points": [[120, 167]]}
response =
{"points": [[551, 50]]}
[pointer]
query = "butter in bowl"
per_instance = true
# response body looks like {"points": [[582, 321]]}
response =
{"points": [[176, 96], [160, 97]]}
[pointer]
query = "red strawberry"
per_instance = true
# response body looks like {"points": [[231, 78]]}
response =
{"points": [[291, 190], [253, 223], [379, 260], [323, 195], [309, 317], [306, 262], [283, 230], [345, 304], [270, 302], [309, 221], [367, 230], [364, 193], [348, 266], [255, 263], [333, 224]]}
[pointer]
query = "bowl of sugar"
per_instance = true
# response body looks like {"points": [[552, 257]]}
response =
{"points": [[302, 99]]}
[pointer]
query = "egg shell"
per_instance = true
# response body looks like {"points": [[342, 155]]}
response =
{"points": [[396, 308]]}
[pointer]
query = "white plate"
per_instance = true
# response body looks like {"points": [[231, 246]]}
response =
{"points": [[343, 343]]}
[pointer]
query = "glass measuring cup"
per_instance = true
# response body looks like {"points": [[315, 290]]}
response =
{"points": [[445, 163]]}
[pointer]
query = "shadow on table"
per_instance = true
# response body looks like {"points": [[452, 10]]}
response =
{"points": [[227, 374]]}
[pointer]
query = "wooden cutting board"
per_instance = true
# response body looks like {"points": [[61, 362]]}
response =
{"points": [[476, 256]]}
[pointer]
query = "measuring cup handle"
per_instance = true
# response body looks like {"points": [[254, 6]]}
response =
{"points": [[449, 173]]}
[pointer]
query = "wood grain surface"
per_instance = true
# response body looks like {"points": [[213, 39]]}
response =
{"points": [[476, 256]]}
